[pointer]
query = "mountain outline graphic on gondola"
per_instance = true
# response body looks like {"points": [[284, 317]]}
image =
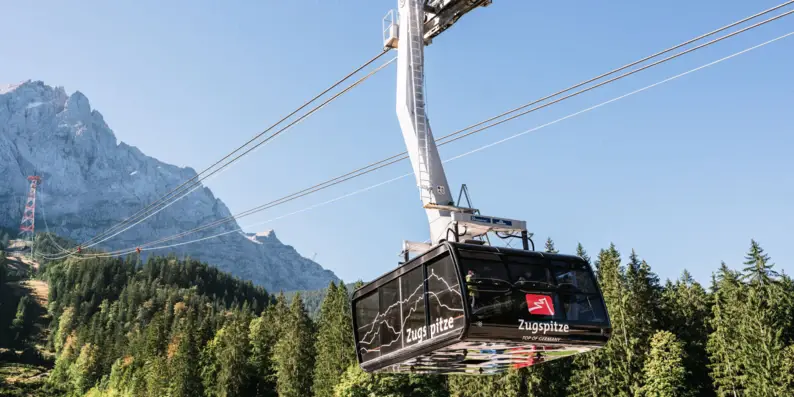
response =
{"points": [[412, 301]]}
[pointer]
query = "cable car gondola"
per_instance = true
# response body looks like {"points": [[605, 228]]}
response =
{"points": [[461, 306], [476, 309]]}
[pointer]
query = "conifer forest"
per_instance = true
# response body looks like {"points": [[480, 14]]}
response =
{"points": [[178, 327]]}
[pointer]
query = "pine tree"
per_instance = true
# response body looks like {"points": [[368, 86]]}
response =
{"points": [[185, 379], [586, 374], [619, 376], [334, 345], [644, 306], [549, 379], [121, 375], [646, 293], [758, 270], [225, 372], [761, 326], [156, 377], [664, 372], [294, 353], [83, 373], [427, 386], [512, 383], [786, 381], [345, 325], [354, 382], [357, 383], [264, 332], [469, 386], [550, 246], [580, 252], [786, 308], [587, 378], [326, 371], [623, 373], [723, 348], [515, 383], [687, 308], [155, 337], [19, 324]]}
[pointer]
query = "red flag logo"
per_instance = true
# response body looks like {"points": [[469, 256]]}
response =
{"points": [[540, 305]]}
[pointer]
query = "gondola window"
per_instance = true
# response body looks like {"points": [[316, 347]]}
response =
{"points": [[367, 314], [488, 289], [413, 307], [444, 298], [390, 324]]}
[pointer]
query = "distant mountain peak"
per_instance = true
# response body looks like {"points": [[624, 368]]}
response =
{"points": [[6, 88], [92, 181], [263, 236]]}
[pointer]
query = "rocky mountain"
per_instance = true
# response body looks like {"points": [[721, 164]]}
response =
{"points": [[91, 181]]}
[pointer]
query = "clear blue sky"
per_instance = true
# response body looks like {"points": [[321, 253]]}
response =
{"points": [[686, 173]]}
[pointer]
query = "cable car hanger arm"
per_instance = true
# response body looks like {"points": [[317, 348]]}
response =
{"points": [[409, 35]]}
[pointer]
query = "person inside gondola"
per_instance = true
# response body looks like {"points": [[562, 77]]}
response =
{"points": [[473, 293], [530, 276]]}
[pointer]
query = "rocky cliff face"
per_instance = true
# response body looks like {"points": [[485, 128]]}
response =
{"points": [[91, 181]]}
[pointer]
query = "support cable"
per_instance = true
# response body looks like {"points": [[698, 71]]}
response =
{"points": [[445, 139], [240, 229], [197, 183], [46, 225], [635, 63], [185, 184]]}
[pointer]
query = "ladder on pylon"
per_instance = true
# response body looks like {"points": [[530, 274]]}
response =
{"points": [[416, 43]]}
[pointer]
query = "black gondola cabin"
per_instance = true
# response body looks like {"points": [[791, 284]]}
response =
{"points": [[475, 309]]}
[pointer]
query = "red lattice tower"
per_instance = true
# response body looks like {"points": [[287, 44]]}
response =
{"points": [[27, 226]]}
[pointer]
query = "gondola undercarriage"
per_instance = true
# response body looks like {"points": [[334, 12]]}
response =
{"points": [[485, 358]]}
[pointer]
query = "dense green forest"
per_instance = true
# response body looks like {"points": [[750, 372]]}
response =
{"points": [[313, 300], [171, 327]]}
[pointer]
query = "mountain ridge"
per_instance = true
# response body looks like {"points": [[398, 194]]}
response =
{"points": [[91, 181]]}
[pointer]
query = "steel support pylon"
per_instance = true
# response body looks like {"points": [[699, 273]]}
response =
{"points": [[27, 226], [411, 113]]}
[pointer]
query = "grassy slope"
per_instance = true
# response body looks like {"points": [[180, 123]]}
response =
{"points": [[24, 366]]}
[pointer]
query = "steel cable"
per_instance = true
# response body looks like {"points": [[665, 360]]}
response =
{"points": [[184, 186], [239, 229]]}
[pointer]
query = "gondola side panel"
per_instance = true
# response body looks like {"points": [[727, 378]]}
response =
{"points": [[409, 312]]}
